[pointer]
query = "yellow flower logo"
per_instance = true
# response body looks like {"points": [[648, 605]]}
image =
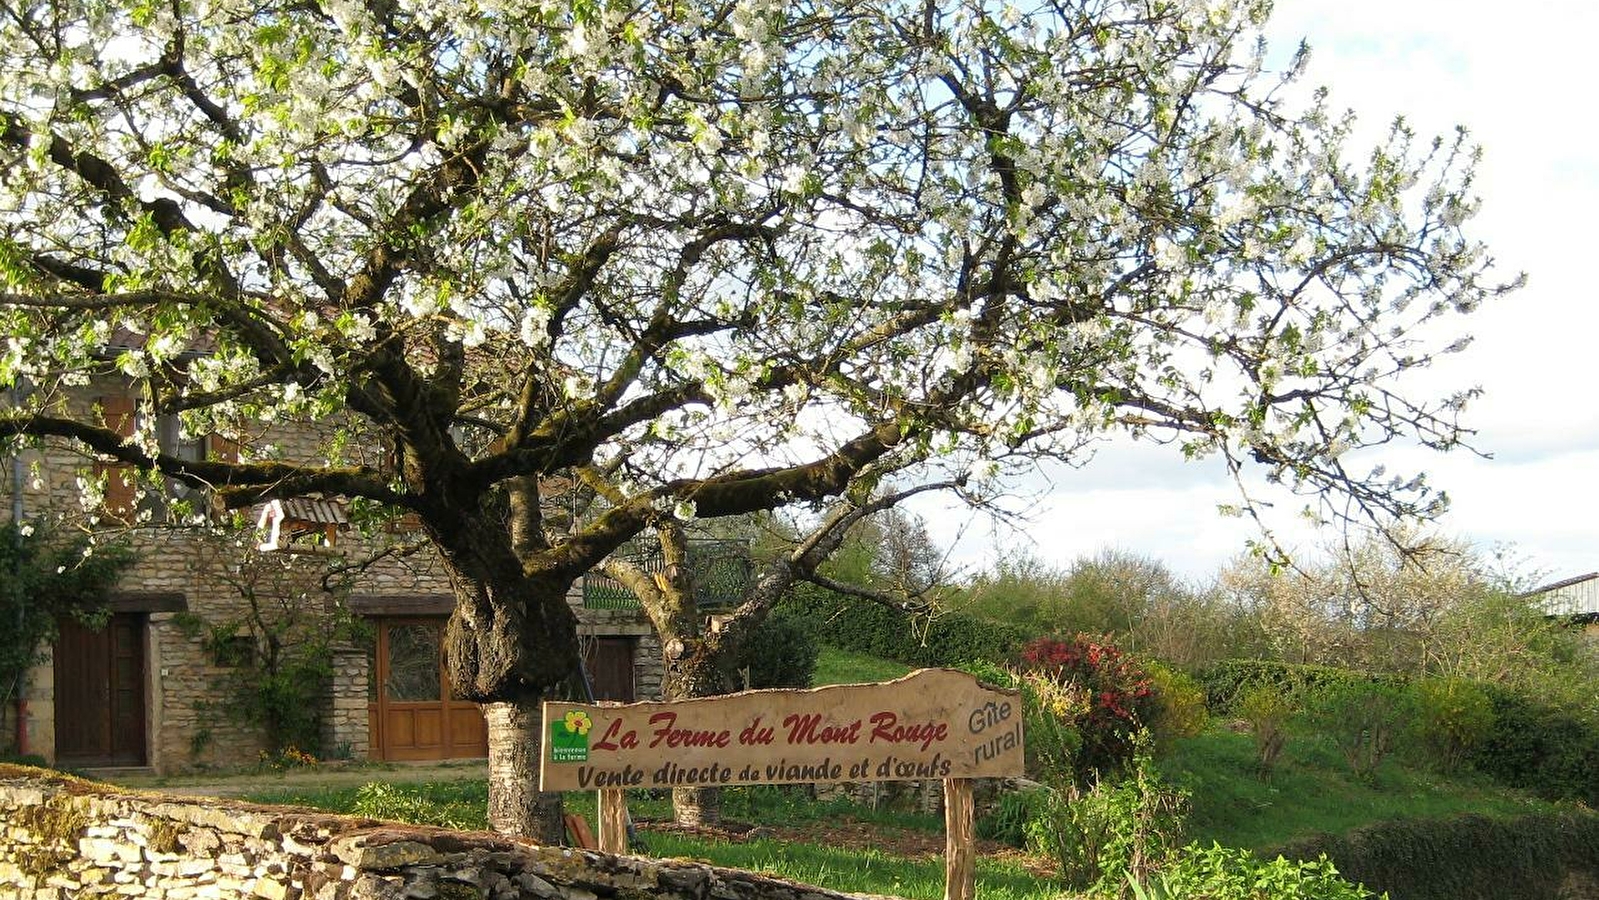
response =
{"points": [[578, 722]]}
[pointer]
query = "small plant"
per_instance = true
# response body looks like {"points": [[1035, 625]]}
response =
{"points": [[1227, 873], [1007, 822], [1130, 824], [1267, 708], [285, 759], [379, 800]]}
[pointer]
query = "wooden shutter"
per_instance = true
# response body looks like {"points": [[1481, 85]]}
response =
{"points": [[120, 489], [221, 449]]}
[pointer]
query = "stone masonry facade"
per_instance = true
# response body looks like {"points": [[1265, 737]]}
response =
{"points": [[184, 576], [64, 839]]}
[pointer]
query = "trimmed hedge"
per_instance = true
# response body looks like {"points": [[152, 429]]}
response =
{"points": [[1226, 681], [949, 639], [1540, 748], [1469, 857], [779, 653]]}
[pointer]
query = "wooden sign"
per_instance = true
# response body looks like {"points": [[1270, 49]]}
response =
{"points": [[933, 723]]}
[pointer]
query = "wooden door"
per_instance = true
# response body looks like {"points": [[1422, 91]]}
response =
{"points": [[99, 693], [413, 713], [609, 661]]}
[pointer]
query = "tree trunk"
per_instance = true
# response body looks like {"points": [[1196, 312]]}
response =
{"points": [[516, 806], [693, 674]]}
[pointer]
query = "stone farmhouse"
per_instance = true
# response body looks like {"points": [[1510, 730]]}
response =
{"points": [[143, 691]]}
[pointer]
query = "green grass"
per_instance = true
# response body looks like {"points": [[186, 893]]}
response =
{"points": [[835, 666], [462, 804], [856, 871], [1312, 792]]}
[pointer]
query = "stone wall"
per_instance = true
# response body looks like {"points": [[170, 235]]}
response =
{"points": [[63, 839]]}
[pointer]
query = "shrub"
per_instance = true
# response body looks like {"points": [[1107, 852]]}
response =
{"points": [[1127, 824], [1227, 681], [1539, 747], [1365, 720], [1225, 873], [1268, 710], [1469, 857], [1453, 716], [1179, 705], [780, 652], [1114, 697]]}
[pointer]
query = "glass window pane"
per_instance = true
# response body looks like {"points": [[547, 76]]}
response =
{"points": [[413, 663]]}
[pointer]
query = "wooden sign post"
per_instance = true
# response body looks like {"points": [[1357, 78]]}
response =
{"points": [[932, 723]]}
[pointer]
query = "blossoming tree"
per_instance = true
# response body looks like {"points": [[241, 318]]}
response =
{"points": [[705, 259]]}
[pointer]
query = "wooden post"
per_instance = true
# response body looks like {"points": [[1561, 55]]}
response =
{"points": [[613, 820], [960, 852]]}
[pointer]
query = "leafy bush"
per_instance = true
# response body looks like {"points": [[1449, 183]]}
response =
{"points": [[1114, 697], [1128, 824], [1226, 873], [1268, 710], [947, 639], [1533, 745], [1227, 681], [1469, 857], [1365, 720], [1453, 716], [1179, 707], [779, 653]]}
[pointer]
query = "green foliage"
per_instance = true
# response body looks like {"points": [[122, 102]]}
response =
{"points": [[44, 576], [1268, 709], [1179, 705], [1539, 747], [1453, 716], [779, 653], [274, 653], [1226, 681], [946, 639], [1366, 720], [1225, 873], [1128, 824], [1007, 821], [1468, 857], [381, 800], [1105, 696]]}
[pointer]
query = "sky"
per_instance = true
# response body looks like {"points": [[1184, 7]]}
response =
{"points": [[1518, 81]]}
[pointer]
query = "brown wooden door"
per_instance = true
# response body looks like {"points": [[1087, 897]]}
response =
{"points": [[609, 661], [413, 714], [99, 693]]}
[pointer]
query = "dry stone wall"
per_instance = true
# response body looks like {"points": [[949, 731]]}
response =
{"points": [[61, 838]]}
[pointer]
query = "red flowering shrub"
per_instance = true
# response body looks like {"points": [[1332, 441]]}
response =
{"points": [[1116, 696]]}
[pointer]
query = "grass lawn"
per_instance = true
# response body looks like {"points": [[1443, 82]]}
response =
{"points": [[835, 666], [461, 804], [1312, 791]]}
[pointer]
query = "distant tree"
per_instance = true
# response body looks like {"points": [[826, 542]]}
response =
{"points": [[1375, 603], [708, 259]]}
